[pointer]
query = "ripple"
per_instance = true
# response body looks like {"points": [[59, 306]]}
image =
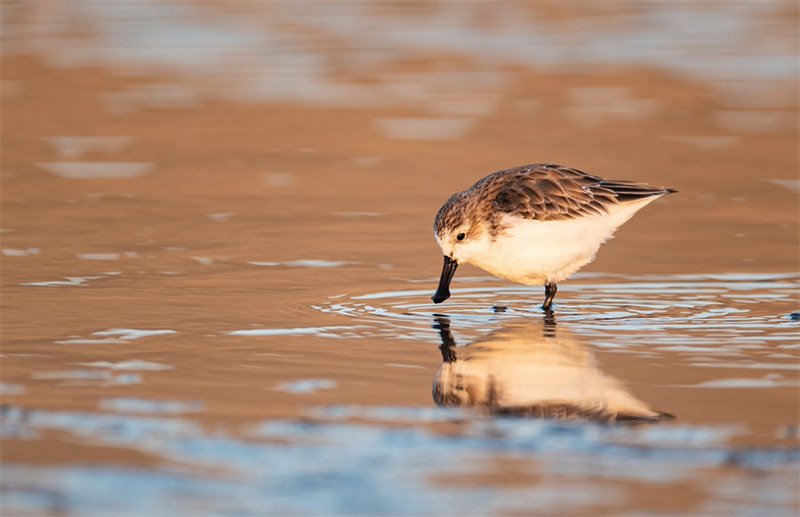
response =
{"points": [[334, 331], [700, 309], [306, 385], [114, 336]]}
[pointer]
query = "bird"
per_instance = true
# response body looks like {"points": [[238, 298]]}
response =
{"points": [[534, 224], [531, 368]]}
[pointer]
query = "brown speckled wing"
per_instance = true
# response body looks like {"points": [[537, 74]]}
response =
{"points": [[549, 192]]}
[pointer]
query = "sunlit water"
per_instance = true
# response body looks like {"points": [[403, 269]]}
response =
{"points": [[410, 460], [216, 287]]}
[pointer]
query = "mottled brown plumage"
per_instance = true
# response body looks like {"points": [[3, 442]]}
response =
{"points": [[542, 192]]}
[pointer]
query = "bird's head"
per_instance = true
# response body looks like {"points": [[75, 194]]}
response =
{"points": [[456, 231]]}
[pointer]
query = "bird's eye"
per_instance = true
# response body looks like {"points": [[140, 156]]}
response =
{"points": [[460, 237]]}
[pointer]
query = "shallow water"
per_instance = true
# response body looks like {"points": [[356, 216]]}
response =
{"points": [[217, 261], [339, 418]]}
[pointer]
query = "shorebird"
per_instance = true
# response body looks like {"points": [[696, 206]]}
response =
{"points": [[534, 224]]}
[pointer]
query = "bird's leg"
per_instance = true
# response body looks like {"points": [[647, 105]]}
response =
{"points": [[550, 289]]}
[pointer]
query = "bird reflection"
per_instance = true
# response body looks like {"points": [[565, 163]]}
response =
{"points": [[532, 369]]}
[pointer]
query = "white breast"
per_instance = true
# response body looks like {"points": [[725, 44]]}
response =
{"points": [[533, 252]]}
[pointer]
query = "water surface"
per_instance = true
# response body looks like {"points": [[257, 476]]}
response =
{"points": [[217, 260]]}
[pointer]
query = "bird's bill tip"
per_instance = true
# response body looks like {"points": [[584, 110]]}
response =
{"points": [[448, 270], [439, 297]]}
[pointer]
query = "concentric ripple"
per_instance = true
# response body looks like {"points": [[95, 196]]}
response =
{"points": [[740, 309]]}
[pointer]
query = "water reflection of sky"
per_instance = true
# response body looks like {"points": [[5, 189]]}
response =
{"points": [[321, 51], [371, 468]]}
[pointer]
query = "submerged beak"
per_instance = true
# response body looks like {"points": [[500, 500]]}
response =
{"points": [[448, 270]]}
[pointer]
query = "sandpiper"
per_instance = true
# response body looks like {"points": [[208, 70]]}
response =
{"points": [[534, 224]]}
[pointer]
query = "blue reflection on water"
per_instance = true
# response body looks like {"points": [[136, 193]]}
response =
{"points": [[338, 467], [295, 50]]}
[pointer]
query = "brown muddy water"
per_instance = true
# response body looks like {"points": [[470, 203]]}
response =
{"points": [[217, 259]]}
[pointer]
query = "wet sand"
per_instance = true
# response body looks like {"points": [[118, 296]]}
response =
{"points": [[216, 266]]}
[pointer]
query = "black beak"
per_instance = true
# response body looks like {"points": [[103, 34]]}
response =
{"points": [[448, 270]]}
